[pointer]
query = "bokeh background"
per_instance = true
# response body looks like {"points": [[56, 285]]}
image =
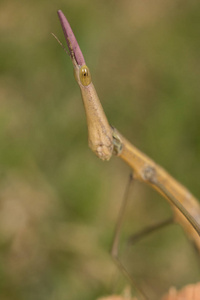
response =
{"points": [[58, 202]]}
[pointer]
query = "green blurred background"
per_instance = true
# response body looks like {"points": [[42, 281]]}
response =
{"points": [[58, 202]]}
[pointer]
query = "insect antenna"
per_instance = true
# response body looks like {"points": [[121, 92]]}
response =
{"points": [[59, 42]]}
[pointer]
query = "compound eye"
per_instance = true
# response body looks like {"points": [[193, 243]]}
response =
{"points": [[85, 76]]}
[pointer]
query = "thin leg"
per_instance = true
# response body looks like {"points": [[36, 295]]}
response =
{"points": [[150, 229], [133, 238], [116, 238]]}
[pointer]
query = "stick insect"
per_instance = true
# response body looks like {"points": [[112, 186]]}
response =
{"points": [[105, 141]]}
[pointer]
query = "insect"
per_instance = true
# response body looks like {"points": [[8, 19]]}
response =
{"points": [[105, 141]]}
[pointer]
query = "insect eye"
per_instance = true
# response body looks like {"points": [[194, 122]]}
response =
{"points": [[85, 76]]}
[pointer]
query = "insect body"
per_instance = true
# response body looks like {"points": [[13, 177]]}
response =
{"points": [[105, 141]]}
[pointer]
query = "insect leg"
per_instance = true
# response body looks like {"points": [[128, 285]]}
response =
{"points": [[134, 238], [116, 240]]}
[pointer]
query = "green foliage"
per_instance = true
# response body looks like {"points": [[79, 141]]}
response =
{"points": [[58, 202]]}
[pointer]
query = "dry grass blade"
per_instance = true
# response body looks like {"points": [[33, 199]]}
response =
{"points": [[126, 295], [189, 292], [116, 297]]}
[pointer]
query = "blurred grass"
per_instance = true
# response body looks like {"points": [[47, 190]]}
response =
{"points": [[58, 202]]}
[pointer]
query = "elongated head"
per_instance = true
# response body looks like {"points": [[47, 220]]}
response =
{"points": [[99, 131]]}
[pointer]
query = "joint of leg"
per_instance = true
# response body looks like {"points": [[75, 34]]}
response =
{"points": [[149, 174]]}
